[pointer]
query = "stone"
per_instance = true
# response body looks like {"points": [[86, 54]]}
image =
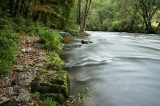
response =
{"points": [[20, 56], [4, 101], [27, 50], [86, 42], [29, 62], [23, 78], [52, 82], [40, 65], [24, 96], [19, 68], [78, 45], [40, 53], [13, 91]]}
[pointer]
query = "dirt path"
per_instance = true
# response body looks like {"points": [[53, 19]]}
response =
{"points": [[30, 60]]}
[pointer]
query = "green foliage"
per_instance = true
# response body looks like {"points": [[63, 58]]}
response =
{"points": [[35, 94], [123, 15], [20, 25], [74, 32], [48, 102], [55, 62], [82, 96], [51, 40], [8, 50]]}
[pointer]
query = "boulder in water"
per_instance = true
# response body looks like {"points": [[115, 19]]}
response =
{"points": [[86, 42]]}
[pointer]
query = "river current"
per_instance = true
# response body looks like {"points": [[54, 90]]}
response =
{"points": [[123, 69]]}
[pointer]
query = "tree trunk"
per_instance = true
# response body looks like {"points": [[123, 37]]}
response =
{"points": [[87, 8], [11, 2], [27, 8], [22, 6], [16, 8], [79, 13]]}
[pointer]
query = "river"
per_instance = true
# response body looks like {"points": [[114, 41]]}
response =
{"points": [[123, 69]]}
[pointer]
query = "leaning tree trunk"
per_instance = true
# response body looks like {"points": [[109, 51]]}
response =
{"points": [[79, 13], [87, 8]]}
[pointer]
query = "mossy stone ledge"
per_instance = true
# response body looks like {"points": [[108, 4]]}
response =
{"points": [[54, 84]]}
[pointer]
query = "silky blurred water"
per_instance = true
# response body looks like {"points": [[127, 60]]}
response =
{"points": [[123, 69]]}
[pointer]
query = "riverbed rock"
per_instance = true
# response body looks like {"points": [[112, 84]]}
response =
{"points": [[24, 96], [19, 68], [76, 46], [28, 50], [13, 91], [23, 78], [86, 42], [52, 82], [4, 101]]}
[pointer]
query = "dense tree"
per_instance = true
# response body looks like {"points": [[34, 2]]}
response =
{"points": [[83, 12], [123, 15], [147, 9], [44, 10]]}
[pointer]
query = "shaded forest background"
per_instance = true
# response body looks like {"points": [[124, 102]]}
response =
{"points": [[40, 17], [102, 15]]}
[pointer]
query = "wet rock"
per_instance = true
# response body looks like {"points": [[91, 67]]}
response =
{"points": [[86, 42], [78, 45], [24, 96], [40, 65], [55, 96], [29, 62], [37, 45], [13, 91], [4, 101], [28, 50], [20, 56], [52, 82], [23, 78], [34, 71], [19, 68], [29, 41], [40, 53]]}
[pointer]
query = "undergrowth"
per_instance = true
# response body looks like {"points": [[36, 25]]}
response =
{"points": [[55, 63], [51, 40], [48, 102], [8, 50]]}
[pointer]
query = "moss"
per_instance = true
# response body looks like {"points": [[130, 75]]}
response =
{"points": [[52, 82], [54, 96]]}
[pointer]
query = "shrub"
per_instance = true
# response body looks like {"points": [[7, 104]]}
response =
{"points": [[48, 102], [8, 50], [55, 62], [74, 32], [51, 40]]}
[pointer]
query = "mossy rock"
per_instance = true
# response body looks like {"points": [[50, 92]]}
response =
{"points": [[52, 82], [54, 96], [86, 42]]}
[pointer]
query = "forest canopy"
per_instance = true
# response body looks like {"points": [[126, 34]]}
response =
{"points": [[102, 15], [125, 15]]}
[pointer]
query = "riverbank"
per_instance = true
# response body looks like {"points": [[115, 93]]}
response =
{"points": [[32, 61], [27, 59]]}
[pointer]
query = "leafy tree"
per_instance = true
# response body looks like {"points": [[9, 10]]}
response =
{"points": [[147, 9]]}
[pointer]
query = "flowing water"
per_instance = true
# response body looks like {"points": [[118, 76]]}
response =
{"points": [[123, 69]]}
